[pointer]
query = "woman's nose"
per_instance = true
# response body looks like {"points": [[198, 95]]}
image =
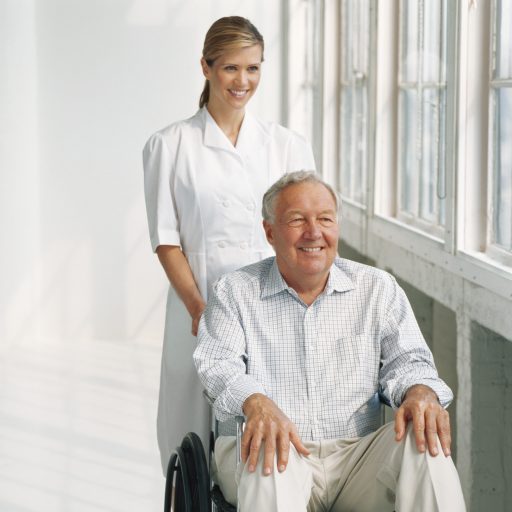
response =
{"points": [[241, 77]]}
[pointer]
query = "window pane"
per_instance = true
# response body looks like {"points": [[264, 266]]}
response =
{"points": [[504, 39], [346, 141], [434, 36], [360, 145], [355, 23], [409, 57], [346, 46], [361, 10], [409, 150], [432, 176], [503, 168]]}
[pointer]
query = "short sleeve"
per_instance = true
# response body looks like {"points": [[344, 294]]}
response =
{"points": [[300, 155], [161, 210]]}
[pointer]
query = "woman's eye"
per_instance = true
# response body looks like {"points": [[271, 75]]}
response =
{"points": [[230, 68], [254, 69]]}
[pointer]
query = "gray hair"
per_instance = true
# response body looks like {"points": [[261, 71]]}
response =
{"points": [[286, 180]]}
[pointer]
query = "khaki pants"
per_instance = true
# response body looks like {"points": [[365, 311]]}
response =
{"points": [[373, 473]]}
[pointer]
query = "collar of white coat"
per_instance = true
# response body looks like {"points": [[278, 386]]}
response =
{"points": [[253, 134]]}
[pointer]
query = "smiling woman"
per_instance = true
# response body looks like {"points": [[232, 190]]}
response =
{"points": [[204, 180]]}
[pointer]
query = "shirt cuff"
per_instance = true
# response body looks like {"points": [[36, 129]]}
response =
{"points": [[443, 392], [165, 237], [230, 403]]}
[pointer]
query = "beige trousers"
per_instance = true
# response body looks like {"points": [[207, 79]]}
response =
{"points": [[373, 473]]}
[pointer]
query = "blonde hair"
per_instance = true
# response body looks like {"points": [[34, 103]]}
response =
{"points": [[228, 33]]}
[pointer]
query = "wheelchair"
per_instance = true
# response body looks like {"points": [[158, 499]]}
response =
{"points": [[188, 485]]}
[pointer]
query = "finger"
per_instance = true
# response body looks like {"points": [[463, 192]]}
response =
{"points": [[418, 422], [400, 424], [283, 452], [245, 444], [254, 451], [444, 432], [431, 431], [299, 446], [269, 453]]}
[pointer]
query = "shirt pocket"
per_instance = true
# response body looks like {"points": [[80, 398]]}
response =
{"points": [[357, 358]]}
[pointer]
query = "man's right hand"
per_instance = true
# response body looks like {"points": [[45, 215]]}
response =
{"points": [[267, 424]]}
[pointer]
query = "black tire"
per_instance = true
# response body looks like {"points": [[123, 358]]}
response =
{"points": [[177, 485], [198, 478]]}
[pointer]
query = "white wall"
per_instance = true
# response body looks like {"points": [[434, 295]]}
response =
{"points": [[83, 86], [18, 171]]}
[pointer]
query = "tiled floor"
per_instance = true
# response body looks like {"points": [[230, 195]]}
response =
{"points": [[77, 427]]}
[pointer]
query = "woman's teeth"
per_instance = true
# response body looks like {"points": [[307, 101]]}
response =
{"points": [[238, 94]]}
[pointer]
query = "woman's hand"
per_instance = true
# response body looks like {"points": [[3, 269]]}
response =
{"points": [[182, 280], [196, 317]]}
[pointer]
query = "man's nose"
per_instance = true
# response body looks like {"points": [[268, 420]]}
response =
{"points": [[313, 230]]}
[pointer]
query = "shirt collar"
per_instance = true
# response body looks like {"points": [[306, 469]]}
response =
{"points": [[338, 281], [252, 134]]}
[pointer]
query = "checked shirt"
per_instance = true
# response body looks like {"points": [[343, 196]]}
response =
{"points": [[328, 365]]}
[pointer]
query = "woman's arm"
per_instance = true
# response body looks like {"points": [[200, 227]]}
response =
{"points": [[182, 280]]}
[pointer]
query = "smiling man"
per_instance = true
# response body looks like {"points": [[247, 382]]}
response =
{"points": [[306, 345]]}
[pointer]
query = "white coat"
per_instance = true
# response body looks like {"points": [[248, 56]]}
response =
{"points": [[204, 194]]}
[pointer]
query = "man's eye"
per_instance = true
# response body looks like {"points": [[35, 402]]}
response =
{"points": [[296, 222], [326, 221]]}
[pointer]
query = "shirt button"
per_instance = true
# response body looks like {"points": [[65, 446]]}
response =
{"points": [[222, 245], [225, 204], [244, 245]]}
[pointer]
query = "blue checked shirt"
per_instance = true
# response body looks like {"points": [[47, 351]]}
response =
{"points": [[325, 365]]}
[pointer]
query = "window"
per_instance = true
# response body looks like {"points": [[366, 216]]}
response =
{"points": [[304, 40], [354, 122], [422, 113], [500, 147]]}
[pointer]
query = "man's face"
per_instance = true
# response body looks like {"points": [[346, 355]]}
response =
{"points": [[304, 233]]}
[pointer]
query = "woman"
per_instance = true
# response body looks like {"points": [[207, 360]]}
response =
{"points": [[204, 179]]}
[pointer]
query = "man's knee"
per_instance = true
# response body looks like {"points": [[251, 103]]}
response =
{"points": [[279, 491]]}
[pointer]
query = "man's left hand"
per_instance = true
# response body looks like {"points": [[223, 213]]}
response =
{"points": [[429, 420]]}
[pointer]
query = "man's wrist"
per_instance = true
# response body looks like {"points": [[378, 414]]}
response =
{"points": [[421, 389], [252, 401]]}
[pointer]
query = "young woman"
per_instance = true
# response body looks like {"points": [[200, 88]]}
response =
{"points": [[204, 180]]}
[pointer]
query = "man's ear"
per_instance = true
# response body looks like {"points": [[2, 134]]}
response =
{"points": [[268, 232], [205, 68]]}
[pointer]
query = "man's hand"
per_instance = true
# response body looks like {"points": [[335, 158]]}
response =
{"points": [[429, 420], [267, 423]]}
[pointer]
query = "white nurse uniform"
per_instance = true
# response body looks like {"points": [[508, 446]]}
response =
{"points": [[204, 194]]}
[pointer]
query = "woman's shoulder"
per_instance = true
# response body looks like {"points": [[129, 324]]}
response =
{"points": [[173, 132], [281, 134]]}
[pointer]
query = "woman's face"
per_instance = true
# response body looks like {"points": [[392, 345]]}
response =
{"points": [[234, 77]]}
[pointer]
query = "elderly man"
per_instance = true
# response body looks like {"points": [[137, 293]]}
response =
{"points": [[304, 345]]}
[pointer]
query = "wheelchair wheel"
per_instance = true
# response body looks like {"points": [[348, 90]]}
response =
{"points": [[177, 488], [197, 472]]}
